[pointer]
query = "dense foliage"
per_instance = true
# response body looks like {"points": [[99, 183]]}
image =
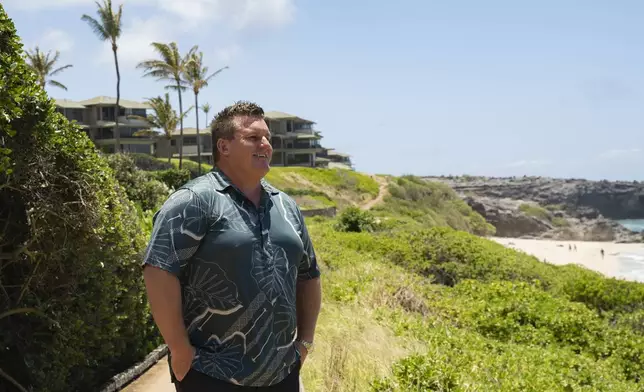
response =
{"points": [[71, 293], [497, 320]]}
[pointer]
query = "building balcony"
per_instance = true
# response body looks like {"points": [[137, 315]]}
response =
{"points": [[192, 151], [300, 150], [124, 140], [132, 122]]}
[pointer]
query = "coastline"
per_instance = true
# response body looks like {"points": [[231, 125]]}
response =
{"points": [[623, 261]]}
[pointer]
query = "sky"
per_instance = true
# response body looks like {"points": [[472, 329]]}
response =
{"points": [[495, 88]]}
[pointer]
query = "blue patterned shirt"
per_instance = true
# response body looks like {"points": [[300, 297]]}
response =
{"points": [[238, 266]]}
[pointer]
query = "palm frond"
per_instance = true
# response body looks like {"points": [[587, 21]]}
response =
{"points": [[96, 27], [59, 70], [56, 84]]}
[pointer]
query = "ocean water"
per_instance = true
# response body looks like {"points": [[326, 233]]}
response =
{"points": [[632, 264], [633, 224]]}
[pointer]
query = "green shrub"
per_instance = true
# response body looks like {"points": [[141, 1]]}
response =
{"points": [[149, 163], [173, 178], [191, 166], [353, 219], [534, 210], [141, 187], [70, 242]]}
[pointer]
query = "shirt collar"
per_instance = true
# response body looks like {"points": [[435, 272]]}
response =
{"points": [[222, 182]]}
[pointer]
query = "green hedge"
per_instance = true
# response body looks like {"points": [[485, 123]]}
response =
{"points": [[70, 243]]}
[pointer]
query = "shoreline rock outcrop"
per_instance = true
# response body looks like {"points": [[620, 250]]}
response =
{"points": [[564, 209]]}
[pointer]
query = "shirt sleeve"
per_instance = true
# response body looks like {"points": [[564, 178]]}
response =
{"points": [[178, 228], [308, 267]]}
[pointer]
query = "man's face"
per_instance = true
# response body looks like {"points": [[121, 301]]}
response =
{"points": [[250, 151]]}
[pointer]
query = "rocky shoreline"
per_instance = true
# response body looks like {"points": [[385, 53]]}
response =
{"points": [[550, 208]]}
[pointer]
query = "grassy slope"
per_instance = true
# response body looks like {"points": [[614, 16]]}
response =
{"points": [[439, 310]]}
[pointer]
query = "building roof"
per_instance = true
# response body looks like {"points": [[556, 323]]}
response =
{"points": [[68, 104], [125, 103], [275, 115]]}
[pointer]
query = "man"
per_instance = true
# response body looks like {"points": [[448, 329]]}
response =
{"points": [[230, 271]]}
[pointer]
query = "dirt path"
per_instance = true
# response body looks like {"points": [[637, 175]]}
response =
{"points": [[382, 192], [155, 379]]}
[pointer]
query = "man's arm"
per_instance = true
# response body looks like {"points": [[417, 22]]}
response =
{"points": [[164, 295], [308, 289], [309, 300], [178, 229]]}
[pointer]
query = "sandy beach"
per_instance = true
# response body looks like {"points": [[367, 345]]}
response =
{"points": [[588, 254]]}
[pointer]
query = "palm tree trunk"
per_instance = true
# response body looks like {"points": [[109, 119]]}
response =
{"points": [[198, 139], [118, 97], [180, 127]]}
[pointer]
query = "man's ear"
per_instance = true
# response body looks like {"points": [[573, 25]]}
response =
{"points": [[222, 147]]}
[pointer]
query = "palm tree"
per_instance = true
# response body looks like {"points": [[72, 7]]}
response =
{"points": [[196, 75], [163, 117], [206, 108], [43, 65], [108, 28], [171, 67]]}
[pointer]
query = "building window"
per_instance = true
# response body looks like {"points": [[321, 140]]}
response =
{"points": [[299, 126], [189, 140]]}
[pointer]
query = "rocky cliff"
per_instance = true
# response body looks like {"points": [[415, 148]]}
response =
{"points": [[568, 209]]}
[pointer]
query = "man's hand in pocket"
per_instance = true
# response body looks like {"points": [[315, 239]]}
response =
{"points": [[181, 360]]}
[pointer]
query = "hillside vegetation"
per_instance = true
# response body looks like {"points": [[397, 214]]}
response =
{"points": [[413, 299]]}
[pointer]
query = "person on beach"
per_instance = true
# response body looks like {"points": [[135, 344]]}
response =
{"points": [[230, 270], [602, 252]]}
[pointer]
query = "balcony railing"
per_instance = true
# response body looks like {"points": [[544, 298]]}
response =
{"points": [[192, 150]]}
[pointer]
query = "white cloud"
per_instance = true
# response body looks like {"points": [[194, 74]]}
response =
{"points": [[54, 39], [530, 163], [37, 5], [227, 54], [135, 40], [238, 14], [625, 153]]}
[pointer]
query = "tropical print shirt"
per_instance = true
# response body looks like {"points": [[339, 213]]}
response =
{"points": [[238, 266]]}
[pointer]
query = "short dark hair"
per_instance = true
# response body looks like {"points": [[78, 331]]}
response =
{"points": [[223, 125]]}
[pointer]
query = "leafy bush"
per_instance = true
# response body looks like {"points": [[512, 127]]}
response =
{"points": [[141, 187], [355, 220], [149, 163], [191, 166], [173, 178], [70, 245]]}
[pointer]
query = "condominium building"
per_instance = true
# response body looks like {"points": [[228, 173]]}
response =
{"points": [[295, 140], [97, 116]]}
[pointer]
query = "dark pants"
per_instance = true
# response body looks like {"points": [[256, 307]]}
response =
{"points": [[195, 381]]}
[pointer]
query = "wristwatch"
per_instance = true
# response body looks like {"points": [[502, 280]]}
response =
{"points": [[307, 345]]}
